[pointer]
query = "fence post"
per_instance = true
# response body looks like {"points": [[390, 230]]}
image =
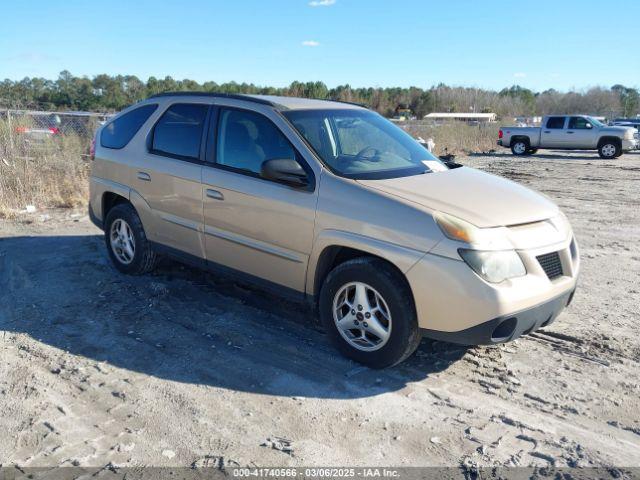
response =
{"points": [[10, 129]]}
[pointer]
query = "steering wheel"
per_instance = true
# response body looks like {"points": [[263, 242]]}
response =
{"points": [[374, 153]]}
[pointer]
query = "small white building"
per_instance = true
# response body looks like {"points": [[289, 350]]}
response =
{"points": [[469, 117]]}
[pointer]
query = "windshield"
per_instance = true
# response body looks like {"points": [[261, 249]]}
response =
{"points": [[595, 122], [360, 143]]}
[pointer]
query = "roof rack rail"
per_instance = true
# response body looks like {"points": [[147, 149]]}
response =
{"points": [[236, 96], [357, 104]]}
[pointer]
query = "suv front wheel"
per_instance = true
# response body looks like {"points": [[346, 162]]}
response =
{"points": [[367, 309], [127, 244]]}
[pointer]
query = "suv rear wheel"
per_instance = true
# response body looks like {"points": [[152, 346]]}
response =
{"points": [[127, 244], [367, 309]]}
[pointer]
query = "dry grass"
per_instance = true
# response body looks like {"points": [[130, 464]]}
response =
{"points": [[457, 137], [49, 174]]}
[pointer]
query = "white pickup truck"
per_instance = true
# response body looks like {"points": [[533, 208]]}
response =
{"points": [[570, 132]]}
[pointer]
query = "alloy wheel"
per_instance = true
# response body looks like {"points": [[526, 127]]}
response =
{"points": [[519, 148], [608, 150], [362, 316], [122, 241]]}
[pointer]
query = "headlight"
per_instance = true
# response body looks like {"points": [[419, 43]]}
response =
{"points": [[495, 266], [495, 238]]}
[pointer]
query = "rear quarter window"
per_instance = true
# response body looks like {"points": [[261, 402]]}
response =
{"points": [[117, 133]]}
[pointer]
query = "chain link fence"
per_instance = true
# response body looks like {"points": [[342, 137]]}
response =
{"points": [[43, 124], [44, 158]]}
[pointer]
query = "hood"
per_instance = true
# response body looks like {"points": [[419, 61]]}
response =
{"points": [[618, 129], [480, 198]]}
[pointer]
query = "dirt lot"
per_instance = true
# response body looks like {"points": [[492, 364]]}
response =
{"points": [[181, 367]]}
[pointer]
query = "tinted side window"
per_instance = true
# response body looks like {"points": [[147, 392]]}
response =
{"points": [[179, 131], [246, 139], [578, 123], [555, 122], [119, 132]]}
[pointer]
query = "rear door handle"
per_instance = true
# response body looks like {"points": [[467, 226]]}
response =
{"points": [[547, 131], [215, 194], [144, 176], [569, 133]]}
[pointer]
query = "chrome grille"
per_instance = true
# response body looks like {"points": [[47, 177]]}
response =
{"points": [[551, 264]]}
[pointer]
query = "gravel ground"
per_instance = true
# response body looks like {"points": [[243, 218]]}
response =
{"points": [[181, 368]]}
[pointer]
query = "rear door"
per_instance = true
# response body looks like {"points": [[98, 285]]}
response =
{"points": [[553, 133], [253, 225], [580, 133], [168, 176]]}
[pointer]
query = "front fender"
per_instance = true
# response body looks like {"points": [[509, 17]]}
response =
{"points": [[402, 257]]}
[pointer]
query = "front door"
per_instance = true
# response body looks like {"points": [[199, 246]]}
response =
{"points": [[580, 133], [252, 225]]}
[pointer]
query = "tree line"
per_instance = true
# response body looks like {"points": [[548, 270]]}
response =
{"points": [[106, 93]]}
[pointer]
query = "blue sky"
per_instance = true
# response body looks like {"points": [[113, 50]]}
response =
{"points": [[483, 43]]}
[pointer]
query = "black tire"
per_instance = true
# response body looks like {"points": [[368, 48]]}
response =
{"points": [[532, 151], [519, 147], [609, 149], [144, 258], [405, 335]]}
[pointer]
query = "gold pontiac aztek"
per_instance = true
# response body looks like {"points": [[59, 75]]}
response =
{"points": [[329, 202]]}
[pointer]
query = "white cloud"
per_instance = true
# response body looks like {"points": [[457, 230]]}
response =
{"points": [[310, 43], [519, 75], [321, 3]]}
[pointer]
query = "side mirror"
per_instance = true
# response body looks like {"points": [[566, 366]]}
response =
{"points": [[284, 170], [588, 125]]}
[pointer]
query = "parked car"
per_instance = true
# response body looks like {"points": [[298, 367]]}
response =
{"points": [[40, 128], [635, 120], [627, 122], [569, 132], [332, 203]]}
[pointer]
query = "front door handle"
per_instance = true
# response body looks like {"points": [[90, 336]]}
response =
{"points": [[569, 133], [215, 194], [144, 176]]}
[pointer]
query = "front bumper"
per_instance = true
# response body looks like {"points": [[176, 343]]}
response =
{"points": [[629, 144], [454, 304], [507, 327]]}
